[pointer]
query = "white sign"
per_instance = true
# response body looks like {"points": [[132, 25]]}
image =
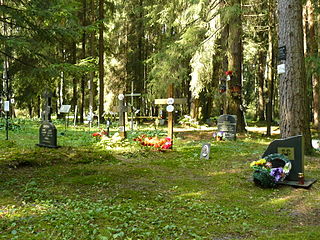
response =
{"points": [[170, 101], [170, 108], [228, 78], [6, 106], [120, 96], [65, 108], [281, 68]]}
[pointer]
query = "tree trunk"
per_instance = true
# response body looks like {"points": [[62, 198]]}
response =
{"points": [[235, 65], [293, 93], [92, 54], [261, 99], [270, 64], [101, 59], [312, 53], [83, 78], [74, 80]]}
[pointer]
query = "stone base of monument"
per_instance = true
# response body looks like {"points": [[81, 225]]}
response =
{"points": [[307, 183], [47, 146]]}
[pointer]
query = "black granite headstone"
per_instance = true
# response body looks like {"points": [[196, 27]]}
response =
{"points": [[227, 125], [293, 149], [48, 135]]}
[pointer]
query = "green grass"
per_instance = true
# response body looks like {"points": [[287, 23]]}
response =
{"points": [[84, 190]]}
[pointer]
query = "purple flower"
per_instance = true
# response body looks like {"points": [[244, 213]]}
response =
{"points": [[277, 173]]}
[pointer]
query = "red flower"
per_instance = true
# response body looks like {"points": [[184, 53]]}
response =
{"points": [[96, 134], [229, 73]]}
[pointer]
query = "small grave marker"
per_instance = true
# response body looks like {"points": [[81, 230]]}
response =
{"points": [[205, 151], [227, 126], [291, 147]]}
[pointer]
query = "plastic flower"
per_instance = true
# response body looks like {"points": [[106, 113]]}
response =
{"points": [[96, 134], [268, 165], [229, 73], [253, 164], [262, 161], [277, 173]]}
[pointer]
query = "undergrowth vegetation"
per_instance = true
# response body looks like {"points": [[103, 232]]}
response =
{"points": [[89, 189]]}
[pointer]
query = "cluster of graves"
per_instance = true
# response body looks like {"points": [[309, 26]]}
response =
{"points": [[292, 148]]}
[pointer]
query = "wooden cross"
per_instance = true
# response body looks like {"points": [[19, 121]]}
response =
{"points": [[122, 119], [132, 95], [170, 101]]}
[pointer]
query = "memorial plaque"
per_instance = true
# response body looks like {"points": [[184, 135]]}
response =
{"points": [[48, 135], [282, 53], [227, 125], [65, 108]]}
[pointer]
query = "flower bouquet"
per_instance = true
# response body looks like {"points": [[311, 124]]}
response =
{"points": [[270, 170], [156, 143], [100, 134]]}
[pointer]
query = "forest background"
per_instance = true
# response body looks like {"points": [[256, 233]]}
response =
{"points": [[86, 52]]}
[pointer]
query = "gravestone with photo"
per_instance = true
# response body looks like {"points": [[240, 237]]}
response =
{"points": [[227, 127], [293, 149], [205, 151]]}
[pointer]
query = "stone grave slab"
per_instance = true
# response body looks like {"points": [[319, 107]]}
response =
{"points": [[293, 149], [227, 125]]}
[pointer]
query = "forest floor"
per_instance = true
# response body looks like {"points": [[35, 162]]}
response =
{"points": [[89, 189]]}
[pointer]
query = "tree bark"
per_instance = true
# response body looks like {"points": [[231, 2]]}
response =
{"points": [[235, 64], [312, 53], [74, 80], [261, 98], [83, 78], [101, 59], [294, 119], [270, 64]]}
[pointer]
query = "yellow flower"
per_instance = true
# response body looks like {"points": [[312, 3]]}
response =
{"points": [[261, 161], [253, 163]]}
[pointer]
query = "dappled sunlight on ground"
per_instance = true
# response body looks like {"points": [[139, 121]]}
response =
{"points": [[193, 194]]}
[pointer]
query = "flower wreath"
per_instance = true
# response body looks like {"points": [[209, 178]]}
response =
{"points": [[270, 170]]}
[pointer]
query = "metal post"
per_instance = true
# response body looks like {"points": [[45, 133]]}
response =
{"points": [[131, 105], [8, 95]]}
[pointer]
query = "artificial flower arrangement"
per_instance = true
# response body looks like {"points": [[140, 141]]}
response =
{"points": [[155, 142], [219, 136], [100, 134], [270, 170]]}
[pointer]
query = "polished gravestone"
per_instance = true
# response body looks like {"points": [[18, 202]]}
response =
{"points": [[293, 149], [227, 126]]}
